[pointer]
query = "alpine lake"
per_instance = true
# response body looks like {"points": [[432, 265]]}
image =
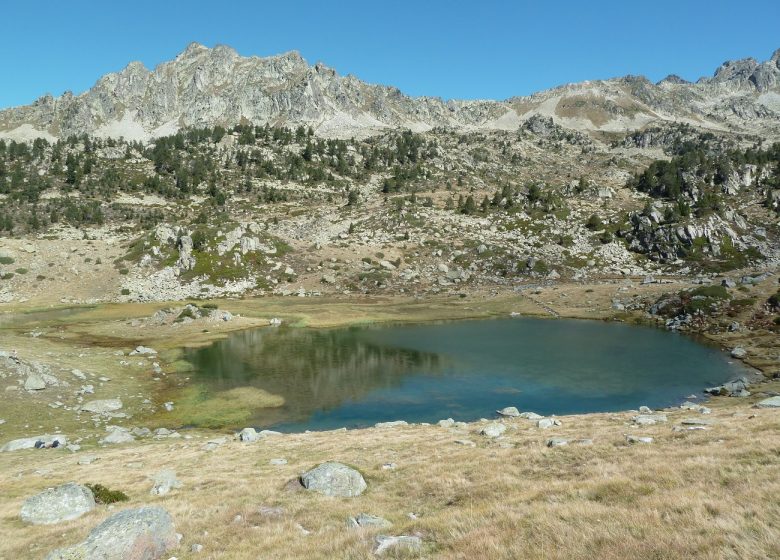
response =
{"points": [[295, 379]]}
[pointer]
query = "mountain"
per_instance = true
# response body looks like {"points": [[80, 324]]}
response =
{"points": [[216, 86]]}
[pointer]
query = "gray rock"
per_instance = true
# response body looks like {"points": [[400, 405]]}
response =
{"points": [[493, 430], [55, 505], [364, 520], [531, 415], [88, 459], [557, 442], [639, 439], [738, 352], [334, 479], [545, 423], [509, 411], [164, 482], [29, 443], [448, 423], [117, 436], [649, 419], [102, 406], [34, 382], [248, 435], [696, 422], [400, 543], [393, 424], [143, 351], [278, 462], [145, 533], [771, 402]]}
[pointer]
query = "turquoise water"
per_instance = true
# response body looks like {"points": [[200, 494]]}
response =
{"points": [[465, 370]]}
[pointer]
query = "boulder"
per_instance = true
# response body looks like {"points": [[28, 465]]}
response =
{"points": [[557, 442], [510, 411], [649, 419], [164, 482], [143, 351], [117, 435], [739, 353], [400, 543], [393, 424], [101, 406], [545, 423], [55, 505], [639, 439], [530, 415], [248, 435], [145, 533], [30, 443], [364, 521], [448, 423], [771, 402], [493, 430], [334, 479], [34, 382]]}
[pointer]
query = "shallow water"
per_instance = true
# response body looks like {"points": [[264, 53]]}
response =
{"points": [[465, 370]]}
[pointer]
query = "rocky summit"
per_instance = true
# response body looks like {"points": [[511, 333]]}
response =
{"points": [[217, 86]]}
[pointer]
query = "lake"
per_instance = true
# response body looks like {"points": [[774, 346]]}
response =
{"points": [[355, 377]]}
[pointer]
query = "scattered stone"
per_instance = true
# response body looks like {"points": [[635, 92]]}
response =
{"points": [[645, 410], [334, 479], [248, 435], [142, 351], [509, 411], [739, 353], [145, 533], [269, 511], [45, 442], [117, 435], [466, 442], [88, 459], [649, 419], [364, 520], [55, 505], [696, 422], [639, 439], [278, 462], [493, 430], [448, 423], [688, 405], [101, 406], [34, 382], [196, 548], [392, 424], [545, 423], [771, 402], [530, 415], [164, 482], [212, 444], [402, 542], [557, 442]]}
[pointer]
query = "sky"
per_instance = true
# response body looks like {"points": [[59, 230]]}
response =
{"points": [[485, 49]]}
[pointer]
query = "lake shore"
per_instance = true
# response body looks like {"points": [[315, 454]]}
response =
{"points": [[470, 494]]}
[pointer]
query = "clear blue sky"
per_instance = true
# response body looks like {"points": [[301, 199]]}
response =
{"points": [[448, 48]]}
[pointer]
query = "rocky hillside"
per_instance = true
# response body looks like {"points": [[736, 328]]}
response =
{"points": [[205, 87]]}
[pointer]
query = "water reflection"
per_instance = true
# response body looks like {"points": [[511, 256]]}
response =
{"points": [[359, 376]]}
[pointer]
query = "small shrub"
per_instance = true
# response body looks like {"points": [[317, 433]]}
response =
{"points": [[123, 271], [209, 306], [125, 292], [715, 292], [40, 277], [7, 260], [21, 271], [7, 276], [104, 495]]}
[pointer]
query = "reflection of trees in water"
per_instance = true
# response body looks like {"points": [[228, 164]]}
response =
{"points": [[312, 370]]}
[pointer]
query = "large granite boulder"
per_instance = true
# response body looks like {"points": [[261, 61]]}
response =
{"points": [[55, 505], [334, 479], [145, 533]]}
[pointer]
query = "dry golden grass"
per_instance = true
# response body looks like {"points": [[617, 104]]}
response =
{"points": [[691, 494]]}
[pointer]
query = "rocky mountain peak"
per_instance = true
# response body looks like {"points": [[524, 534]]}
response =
{"points": [[205, 86]]}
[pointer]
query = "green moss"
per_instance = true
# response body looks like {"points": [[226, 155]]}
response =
{"points": [[21, 271], [104, 495], [7, 260]]}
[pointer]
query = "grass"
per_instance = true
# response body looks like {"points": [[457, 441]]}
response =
{"points": [[519, 500]]}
